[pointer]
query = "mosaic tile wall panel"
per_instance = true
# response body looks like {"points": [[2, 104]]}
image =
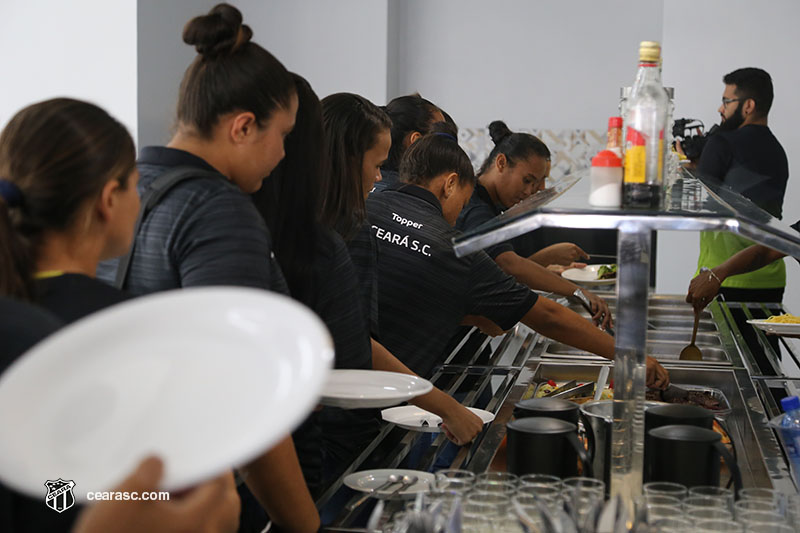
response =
{"points": [[572, 150]]}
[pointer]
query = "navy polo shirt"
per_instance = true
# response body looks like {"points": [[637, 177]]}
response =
{"points": [[424, 290], [479, 210], [204, 231]]}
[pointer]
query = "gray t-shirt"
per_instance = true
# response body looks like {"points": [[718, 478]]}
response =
{"points": [[204, 231]]}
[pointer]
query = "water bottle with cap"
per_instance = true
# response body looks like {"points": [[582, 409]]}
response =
{"points": [[790, 430]]}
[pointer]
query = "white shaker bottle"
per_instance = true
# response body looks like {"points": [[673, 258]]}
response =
{"points": [[606, 180]]}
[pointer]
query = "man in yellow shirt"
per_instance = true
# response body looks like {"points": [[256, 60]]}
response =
{"points": [[746, 157]]}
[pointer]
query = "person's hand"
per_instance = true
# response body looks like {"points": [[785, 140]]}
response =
{"points": [[559, 269], [461, 425], [562, 253], [486, 326], [657, 375], [601, 314], [702, 289], [212, 507]]}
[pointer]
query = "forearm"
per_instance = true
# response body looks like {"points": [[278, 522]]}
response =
{"points": [[748, 260], [564, 325], [435, 401], [534, 275], [276, 480], [541, 257]]}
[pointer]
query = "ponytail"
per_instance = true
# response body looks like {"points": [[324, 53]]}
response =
{"points": [[15, 259]]}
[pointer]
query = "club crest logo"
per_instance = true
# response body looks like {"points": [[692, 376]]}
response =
{"points": [[59, 494]]}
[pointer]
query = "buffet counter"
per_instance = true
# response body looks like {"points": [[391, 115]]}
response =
{"points": [[742, 367]]}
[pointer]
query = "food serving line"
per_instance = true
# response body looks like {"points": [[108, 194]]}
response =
{"points": [[747, 371]]}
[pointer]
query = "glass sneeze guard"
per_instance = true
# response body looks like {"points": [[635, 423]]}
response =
{"points": [[691, 203]]}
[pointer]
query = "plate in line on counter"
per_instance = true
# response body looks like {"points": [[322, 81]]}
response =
{"points": [[781, 328], [587, 276], [368, 480], [360, 389], [416, 419]]}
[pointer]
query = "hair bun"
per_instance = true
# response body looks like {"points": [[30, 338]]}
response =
{"points": [[498, 131], [218, 33]]}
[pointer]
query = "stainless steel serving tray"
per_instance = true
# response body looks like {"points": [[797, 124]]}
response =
{"points": [[686, 379], [662, 351]]}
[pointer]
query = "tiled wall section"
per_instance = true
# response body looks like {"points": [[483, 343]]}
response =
{"points": [[572, 150]]}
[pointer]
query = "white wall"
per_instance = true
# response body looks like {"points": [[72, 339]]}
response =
{"points": [[82, 49], [337, 46], [702, 42], [547, 64]]}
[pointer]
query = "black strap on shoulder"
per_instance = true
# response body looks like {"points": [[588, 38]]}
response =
{"points": [[150, 198]]}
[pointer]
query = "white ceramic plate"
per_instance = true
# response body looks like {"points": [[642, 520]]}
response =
{"points": [[587, 276], [776, 327], [416, 419], [368, 480], [361, 389], [205, 378]]}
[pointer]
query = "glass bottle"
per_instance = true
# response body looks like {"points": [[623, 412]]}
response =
{"points": [[645, 123]]}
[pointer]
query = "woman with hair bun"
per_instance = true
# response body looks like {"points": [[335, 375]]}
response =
{"points": [[516, 168], [236, 105]]}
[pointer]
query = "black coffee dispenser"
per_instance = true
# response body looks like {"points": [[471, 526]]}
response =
{"points": [[542, 445], [688, 455]]}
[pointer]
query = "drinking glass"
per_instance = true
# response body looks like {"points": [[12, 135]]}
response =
{"points": [[490, 504], [705, 502], [656, 513], [748, 518], [768, 528], [458, 480], [540, 479], [743, 506], [495, 487], [659, 499], [709, 513], [584, 482], [715, 492], [665, 489], [673, 525], [503, 477], [718, 526]]}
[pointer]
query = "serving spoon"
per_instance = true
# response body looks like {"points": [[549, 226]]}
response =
{"points": [[692, 352]]}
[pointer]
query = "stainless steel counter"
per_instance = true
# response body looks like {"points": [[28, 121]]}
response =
{"points": [[502, 370]]}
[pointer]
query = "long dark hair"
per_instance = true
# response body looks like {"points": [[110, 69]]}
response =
{"points": [[352, 124], [409, 114], [230, 73], [515, 146], [433, 155], [289, 200], [54, 156]]}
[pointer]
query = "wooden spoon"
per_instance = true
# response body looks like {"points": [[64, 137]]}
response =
{"points": [[692, 352]]}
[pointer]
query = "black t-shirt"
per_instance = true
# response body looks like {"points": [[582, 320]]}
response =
{"points": [[338, 302], [74, 296], [424, 290], [479, 210], [21, 326], [752, 162]]}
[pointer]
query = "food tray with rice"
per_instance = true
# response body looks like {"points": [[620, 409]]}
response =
{"points": [[778, 324]]}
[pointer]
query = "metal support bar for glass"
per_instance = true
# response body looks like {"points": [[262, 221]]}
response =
{"points": [[627, 448]]}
